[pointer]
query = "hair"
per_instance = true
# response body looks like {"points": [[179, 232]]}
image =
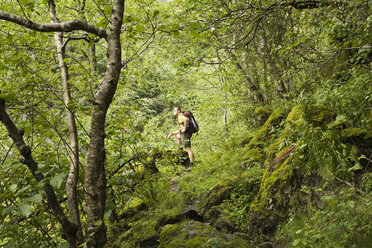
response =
{"points": [[178, 108]]}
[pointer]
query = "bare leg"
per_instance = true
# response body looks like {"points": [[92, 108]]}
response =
{"points": [[178, 138], [191, 154]]}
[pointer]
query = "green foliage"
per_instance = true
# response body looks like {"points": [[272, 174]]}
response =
{"points": [[343, 220], [205, 56]]}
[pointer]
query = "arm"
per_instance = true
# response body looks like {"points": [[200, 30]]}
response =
{"points": [[184, 126], [173, 133]]}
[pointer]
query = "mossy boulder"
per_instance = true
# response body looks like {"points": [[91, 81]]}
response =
{"points": [[233, 193], [193, 234], [247, 183], [215, 196], [262, 113], [270, 205], [359, 137], [318, 115], [294, 119], [255, 155]]}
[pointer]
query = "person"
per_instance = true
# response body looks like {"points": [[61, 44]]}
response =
{"points": [[183, 137]]}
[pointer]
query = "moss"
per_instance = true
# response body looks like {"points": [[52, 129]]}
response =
{"points": [[215, 195], [277, 178], [255, 155], [270, 205], [273, 119], [295, 114], [262, 113], [318, 114], [296, 117], [239, 141], [243, 184], [189, 234], [354, 132], [359, 137], [273, 148]]}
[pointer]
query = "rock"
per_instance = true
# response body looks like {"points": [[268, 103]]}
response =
{"points": [[193, 234], [273, 120], [318, 115]]}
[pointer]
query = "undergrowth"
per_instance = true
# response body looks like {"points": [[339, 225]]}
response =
{"points": [[341, 220]]}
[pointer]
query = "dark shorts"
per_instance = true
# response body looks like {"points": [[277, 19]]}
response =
{"points": [[185, 139]]}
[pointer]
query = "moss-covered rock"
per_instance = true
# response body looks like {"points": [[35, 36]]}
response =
{"points": [[227, 196], [295, 117], [273, 120], [357, 136], [255, 155], [262, 113], [318, 114], [215, 196], [193, 234], [270, 205], [246, 183]]}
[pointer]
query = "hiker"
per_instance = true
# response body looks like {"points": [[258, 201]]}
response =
{"points": [[183, 137]]}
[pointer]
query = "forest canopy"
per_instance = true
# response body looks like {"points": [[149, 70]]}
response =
{"points": [[281, 90]]}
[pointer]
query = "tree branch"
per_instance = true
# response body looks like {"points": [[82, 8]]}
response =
{"points": [[54, 27], [351, 185], [27, 159]]}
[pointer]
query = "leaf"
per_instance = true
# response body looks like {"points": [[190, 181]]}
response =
{"points": [[63, 245], [155, 14], [7, 210], [139, 27], [25, 209], [296, 242], [194, 33], [13, 187], [35, 198], [357, 166], [15, 164], [57, 180], [98, 222]]}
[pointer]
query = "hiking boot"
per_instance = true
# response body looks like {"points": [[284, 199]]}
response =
{"points": [[188, 169]]}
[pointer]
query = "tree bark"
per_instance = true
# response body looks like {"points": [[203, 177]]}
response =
{"points": [[72, 179], [95, 178], [92, 58], [54, 27]]}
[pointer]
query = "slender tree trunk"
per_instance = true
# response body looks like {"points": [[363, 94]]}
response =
{"points": [[95, 178], [92, 58], [68, 228], [72, 179]]}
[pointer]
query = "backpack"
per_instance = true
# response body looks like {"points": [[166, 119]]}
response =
{"points": [[192, 125]]}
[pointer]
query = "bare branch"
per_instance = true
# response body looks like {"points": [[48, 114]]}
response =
{"points": [[351, 185], [54, 27]]}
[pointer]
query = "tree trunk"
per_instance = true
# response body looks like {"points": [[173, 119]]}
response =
{"points": [[72, 179], [92, 58], [253, 88], [95, 178]]}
